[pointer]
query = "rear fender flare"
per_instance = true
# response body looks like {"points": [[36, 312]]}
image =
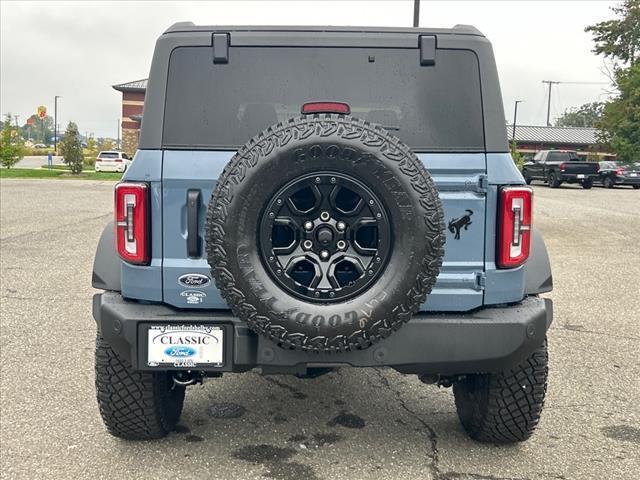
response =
{"points": [[107, 264], [537, 270]]}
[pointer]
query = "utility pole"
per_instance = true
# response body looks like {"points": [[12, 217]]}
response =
{"points": [[549, 82], [15, 118], [552, 82], [55, 124], [118, 130], [515, 119], [416, 13]]}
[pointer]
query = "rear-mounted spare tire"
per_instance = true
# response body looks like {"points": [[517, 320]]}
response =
{"points": [[325, 233]]}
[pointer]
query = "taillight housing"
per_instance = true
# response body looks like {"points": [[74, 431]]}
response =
{"points": [[132, 222], [514, 226], [620, 172], [563, 167]]}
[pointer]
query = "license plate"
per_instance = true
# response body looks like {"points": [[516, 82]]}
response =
{"points": [[633, 174], [581, 175], [185, 345]]}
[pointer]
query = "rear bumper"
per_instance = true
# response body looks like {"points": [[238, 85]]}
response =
{"points": [[486, 340], [627, 180], [573, 177], [110, 167]]}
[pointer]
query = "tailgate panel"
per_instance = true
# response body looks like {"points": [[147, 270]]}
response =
{"points": [[460, 180]]}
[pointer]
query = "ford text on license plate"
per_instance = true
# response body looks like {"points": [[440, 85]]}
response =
{"points": [[185, 345]]}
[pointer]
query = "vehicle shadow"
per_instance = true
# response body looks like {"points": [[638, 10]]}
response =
{"points": [[356, 423]]}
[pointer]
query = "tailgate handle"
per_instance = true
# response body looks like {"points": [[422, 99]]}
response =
{"points": [[193, 238]]}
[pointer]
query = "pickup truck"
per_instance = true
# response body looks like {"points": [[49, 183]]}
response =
{"points": [[557, 166]]}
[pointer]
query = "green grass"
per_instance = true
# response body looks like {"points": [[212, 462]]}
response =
{"points": [[56, 173]]}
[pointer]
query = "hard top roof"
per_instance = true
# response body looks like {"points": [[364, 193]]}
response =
{"points": [[191, 27]]}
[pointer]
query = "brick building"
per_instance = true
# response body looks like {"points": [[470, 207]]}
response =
{"points": [[532, 138], [132, 107]]}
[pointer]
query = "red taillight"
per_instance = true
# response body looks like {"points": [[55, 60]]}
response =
{"points": [[620, 171], [118, 160], [326, 107], [514, 226], [132, 222], [562, 167]]}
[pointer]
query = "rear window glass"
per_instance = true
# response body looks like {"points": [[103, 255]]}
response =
{"points": [[108, 155], [223, 105], [562, 157]]}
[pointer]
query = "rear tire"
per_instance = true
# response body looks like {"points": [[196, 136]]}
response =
{"points": [[527, 177], [587, 184], [135, 405], [608, 182], [504, 407], [636, 187], [553, 181]]}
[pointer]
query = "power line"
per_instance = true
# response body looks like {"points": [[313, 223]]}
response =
{"points": [[556, 82]]}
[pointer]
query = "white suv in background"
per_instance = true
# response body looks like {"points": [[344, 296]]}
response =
{"points": [[112, 161]]}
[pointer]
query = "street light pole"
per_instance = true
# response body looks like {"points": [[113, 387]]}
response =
{"points": [[550, 83], [515, 119], [416, 13], [55, 123]]}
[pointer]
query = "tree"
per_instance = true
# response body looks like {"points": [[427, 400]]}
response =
{"points": [[619, 41], [41, 131], [620, 124], [71, 148], [105, 144], [586, 115], [517, 157], [11, 144]]}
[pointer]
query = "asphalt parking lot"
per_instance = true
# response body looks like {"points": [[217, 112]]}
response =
{"points": [[350, 424]]}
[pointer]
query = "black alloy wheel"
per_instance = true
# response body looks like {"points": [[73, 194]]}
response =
{"points": [[325, 237]]}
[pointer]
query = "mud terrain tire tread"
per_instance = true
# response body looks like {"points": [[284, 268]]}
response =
{"points": [[134, 405], [504, 407], [279, 135]]}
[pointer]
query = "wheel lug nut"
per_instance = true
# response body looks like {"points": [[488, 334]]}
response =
{"points": [[325, 216], [324, 254], [341, 244], [341, 225], [308, 225], [307, 244]]}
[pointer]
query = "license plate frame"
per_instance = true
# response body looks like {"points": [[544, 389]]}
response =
{"points": [[581, 176], [190, 346]]}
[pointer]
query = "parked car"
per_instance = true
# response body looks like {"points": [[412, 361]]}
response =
{"points": [[39, 145], [612, 174], [295, 222], [557, 166], [112, 161]]}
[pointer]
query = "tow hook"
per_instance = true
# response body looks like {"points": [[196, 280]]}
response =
{"points": [[186, 378]]}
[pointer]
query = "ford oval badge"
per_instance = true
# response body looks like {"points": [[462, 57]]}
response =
{"points": [[180, 352], [194, 280]]}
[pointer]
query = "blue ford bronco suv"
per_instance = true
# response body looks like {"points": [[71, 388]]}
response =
{"points": [[310, 198]]}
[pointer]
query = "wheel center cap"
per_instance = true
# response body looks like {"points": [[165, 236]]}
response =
{"points": [[324, 236]]}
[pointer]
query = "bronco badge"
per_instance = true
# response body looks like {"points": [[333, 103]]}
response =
{"points": [[456, 224]]}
